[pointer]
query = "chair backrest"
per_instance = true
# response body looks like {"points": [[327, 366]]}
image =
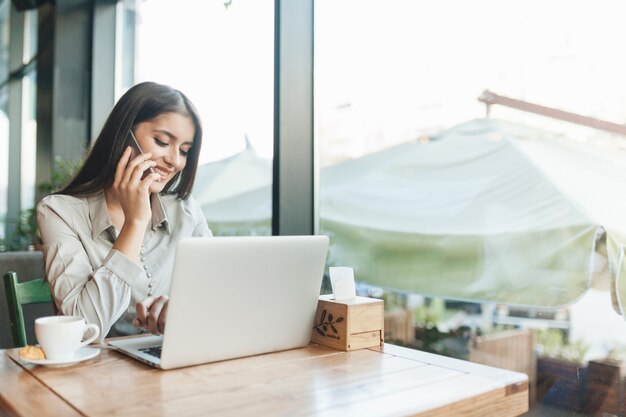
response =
{"points": [[18, 294]]}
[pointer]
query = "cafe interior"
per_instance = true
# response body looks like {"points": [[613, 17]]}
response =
{"points": [[447, 180]]}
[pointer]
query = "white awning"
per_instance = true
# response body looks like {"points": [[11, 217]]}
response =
{"points": [[486, 211]]}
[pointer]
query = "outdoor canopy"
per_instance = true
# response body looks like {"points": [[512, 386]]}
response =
{"points": [[484, 211]]}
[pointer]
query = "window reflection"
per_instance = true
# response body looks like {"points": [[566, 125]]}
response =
{"points": [[4, 119], [14, 221], [221, 55], [493, 237]]}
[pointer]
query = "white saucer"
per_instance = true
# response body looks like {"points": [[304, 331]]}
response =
{"points": [[82, 354]]}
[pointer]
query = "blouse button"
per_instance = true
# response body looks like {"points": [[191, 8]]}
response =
{"points": [[147, 271]]}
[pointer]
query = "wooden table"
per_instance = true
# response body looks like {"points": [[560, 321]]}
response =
{"points": [[315, 380]]}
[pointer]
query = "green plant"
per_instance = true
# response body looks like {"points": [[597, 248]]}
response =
{"points": [[553, 344], [26, 232], [617, 352], [62, 173], [393, 299], [430, 314]]}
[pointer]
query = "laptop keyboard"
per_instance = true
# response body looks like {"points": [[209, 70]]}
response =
{"points": [[152, 351]]}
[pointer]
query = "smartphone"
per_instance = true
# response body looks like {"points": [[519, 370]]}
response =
{"points": [[137, 147]]}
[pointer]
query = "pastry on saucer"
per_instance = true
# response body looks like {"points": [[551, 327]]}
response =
{"points": [[32, 352]]}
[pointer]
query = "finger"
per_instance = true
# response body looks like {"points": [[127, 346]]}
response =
{"points": [[140, 170], [132, 164], [121, 166], [153, 315], [163, 317], [142, 308], [130, 167], [151, 178]]}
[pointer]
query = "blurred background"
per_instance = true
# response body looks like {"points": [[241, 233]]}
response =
{"points": [[470, 156]]}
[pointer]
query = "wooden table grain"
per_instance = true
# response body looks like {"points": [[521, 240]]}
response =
{"points": [[310, 381]]}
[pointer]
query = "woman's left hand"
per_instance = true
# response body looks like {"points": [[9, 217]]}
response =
{"points": [[152, 313]]}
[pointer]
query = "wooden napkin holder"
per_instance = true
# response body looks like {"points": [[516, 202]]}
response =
{"points": [[352, 324]]}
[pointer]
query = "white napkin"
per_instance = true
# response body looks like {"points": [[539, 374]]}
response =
{"points": [[342, 282]]}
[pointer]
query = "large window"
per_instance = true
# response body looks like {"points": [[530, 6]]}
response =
{"points": [[512, 215], [29, 121], [18, 49], [220, 54], [4, 112]]}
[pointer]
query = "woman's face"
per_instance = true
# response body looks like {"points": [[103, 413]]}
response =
{"points": [[168, 137]]}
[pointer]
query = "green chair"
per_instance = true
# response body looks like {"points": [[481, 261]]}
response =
{"points": [[19, 293]]}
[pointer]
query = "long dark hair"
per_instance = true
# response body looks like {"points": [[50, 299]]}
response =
{"points": [[142, 102]]}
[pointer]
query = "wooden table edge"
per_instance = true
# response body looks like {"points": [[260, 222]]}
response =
{"points": [[14, 372], [483, 405], [512, 396], [506, 377], [509, 399]]}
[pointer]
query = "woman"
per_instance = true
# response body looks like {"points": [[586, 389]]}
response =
{"points": [[109, 236]]}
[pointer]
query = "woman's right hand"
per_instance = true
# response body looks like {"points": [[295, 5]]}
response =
{"points": [[131, 188], [152, 314]]}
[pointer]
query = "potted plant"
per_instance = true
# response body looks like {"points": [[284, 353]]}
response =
{"points": [[26, 234], [561, 371]]}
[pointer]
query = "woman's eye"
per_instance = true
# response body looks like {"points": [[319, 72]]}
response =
{"points": [[184, 153], [160, 142]]}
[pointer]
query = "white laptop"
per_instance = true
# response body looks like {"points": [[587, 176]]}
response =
{"points": [[236, 296]]}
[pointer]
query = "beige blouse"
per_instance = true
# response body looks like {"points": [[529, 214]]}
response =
{"points": [[89, 278]]}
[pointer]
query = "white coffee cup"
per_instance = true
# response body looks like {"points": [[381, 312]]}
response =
{"points": [[60, 337]]}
